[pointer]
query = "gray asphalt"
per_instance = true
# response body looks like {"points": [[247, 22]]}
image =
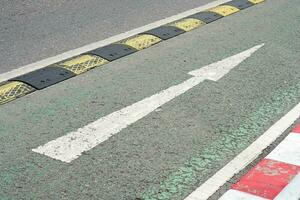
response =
{"points": [[31, 30], [169, 153]]}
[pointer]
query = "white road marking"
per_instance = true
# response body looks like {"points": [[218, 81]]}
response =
{"points": [[71, 146], [288, 150], [51, 60], [291, 191], [238, 195], [247, 156]]}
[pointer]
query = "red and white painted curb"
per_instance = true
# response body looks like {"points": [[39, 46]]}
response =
{"points": [[277, 176]]}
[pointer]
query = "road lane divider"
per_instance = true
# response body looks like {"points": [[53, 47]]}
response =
{"points": [[49, 75]]}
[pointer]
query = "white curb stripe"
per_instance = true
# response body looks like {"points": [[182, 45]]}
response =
{"points": [[288, 151], [238, 195], [247, 156], [291, 191]]}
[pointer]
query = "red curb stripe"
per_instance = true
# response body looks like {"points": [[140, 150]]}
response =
{"points": [[267, 178], [296, 129]]}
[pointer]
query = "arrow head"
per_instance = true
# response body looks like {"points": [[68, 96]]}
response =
{"points": [[217, 70]]}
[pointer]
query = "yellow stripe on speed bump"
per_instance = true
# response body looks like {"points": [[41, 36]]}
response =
{"points": [[142, 41], [13, 90], [224, 10], [80, 64], [187, 24], [256, 1], [83, 63]]}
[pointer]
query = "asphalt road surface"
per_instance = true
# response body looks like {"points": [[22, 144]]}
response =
{"points": [[171, 151], [31, 30]]}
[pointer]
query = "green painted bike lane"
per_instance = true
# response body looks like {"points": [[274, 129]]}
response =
{"points": [[169, 153]]}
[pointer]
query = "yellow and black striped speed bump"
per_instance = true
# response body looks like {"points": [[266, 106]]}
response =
{"points": [[240, 4], [113, 51], [224, 10], [11, 90], [187, 24], [50, 75], [165, 32], [141, 41], [206, 16], [83, 63], [45, 77]]}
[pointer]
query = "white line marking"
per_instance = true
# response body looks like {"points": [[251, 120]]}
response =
{"points": [[51, 60], [71, 146], [291, 191], [288, 150], [247, 156], [238, 195]]}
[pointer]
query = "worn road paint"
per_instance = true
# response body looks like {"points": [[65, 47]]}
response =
{"points": [[247, 156], [72, 145], [180, 182], [75, 52]]}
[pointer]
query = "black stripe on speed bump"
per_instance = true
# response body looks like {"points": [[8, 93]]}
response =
{"points": [[45, 77], [165, 32], [207, 16], [52, 74], [113, 51], [240, 4]]}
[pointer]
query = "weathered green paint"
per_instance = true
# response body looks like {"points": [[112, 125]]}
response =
{"points": [[232, 142], [146, 153]]}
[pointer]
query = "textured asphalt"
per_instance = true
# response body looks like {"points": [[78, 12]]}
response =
{"points": [[32, 30], [169, 153]]}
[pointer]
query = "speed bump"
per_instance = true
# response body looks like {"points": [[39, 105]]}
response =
{"points": [[165, 32], [187, 24], [45, 77], [207, 16], [50, 75], [142, 41], [256, 1], [113, 51], [82, 63], [224, 10], [240, 4], [13, 90]]}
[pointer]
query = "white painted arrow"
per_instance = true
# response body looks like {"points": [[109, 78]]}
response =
{"points": [[71, 146]]}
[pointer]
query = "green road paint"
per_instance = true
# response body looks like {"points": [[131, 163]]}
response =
{"points": [[185, 179], [149, 151]]}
